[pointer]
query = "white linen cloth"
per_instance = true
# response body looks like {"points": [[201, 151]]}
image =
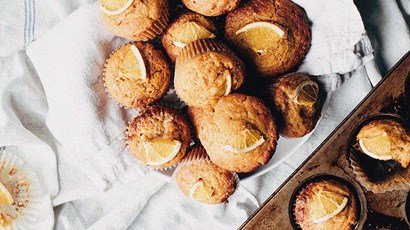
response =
{"points": [[81, 39]]}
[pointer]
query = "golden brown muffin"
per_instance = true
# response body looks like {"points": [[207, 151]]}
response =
{"points": [[157, 124], [206, 70], [140, 21], [311, 204], [281, 38], [389, 132], [211, 7], [299, 116], [129, 89], [239, 132], [186, 28], [200, 179]]}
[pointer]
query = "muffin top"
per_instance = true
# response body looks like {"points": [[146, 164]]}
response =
{"points": [[211, 7], [206, 70], [186, 28], [274, 35], [136, 20], [137, 75], [324, 205], [200, 179], [296, 97], [159, 137], [239, 132], [385, 139]]}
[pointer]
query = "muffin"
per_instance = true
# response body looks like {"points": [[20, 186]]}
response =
{"points": [[135, 20], [186, 28], [296, 97], [200, 179], [380, 154], [273, 35], [137, 75], [211, 7], [20, 193], [326, 204], [239, 132], [385, 140], [158, 137], [206, 70]]}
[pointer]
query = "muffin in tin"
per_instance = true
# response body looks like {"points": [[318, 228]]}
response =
{"points": [[274, 35], [188, 27], [205, 71], [239, 132], [158, 137], [297, 99], [200, 179], [211, 7], [380, 152], [135, 20], [324, 204], [137, 75]]}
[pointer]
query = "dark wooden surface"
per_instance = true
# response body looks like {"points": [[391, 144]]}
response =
{"points": [[331, 158]]}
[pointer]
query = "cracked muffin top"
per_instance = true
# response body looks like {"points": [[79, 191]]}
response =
{"points": [[385, 139], [324, 205], [206, 70], [239, 132], [296, 98], [211, 7], [273, 35], [200, 179], [159, 137], [137, 75], [135, 20], [186, 28]]}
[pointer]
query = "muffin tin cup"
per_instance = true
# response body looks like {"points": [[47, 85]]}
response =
{"points": [[397, 181], [25, 189], [407, 208], [357, 191], [157, 28], [202, 46]]}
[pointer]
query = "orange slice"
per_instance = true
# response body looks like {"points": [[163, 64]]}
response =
{"points": [[114, 7], [159, 152], [133, 65], [5, 196], [377, 147], [200, 192], [307, 93], [247, 141], [190, 32], [331, 204]]}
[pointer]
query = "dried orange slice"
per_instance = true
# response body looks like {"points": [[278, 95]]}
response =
{"points": [[307, 93], [159, 152], [133, 65], [190, 32], [331, 204], [247, 141], [377, 147], [260, 36], [114, 7]]}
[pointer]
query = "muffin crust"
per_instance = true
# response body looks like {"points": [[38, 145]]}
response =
{"points": [[306, 205], [198, 167], [288, 51], [142, 21], [167, 37], [211, 7], [157, 122], [216, 126], [201, 70], [297, 120], [137, 93]]}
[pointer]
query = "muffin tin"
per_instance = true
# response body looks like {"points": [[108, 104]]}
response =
{"points": [[386, 210]]}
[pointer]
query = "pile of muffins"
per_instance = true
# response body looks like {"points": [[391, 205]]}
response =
{"points": [[219, 54]]}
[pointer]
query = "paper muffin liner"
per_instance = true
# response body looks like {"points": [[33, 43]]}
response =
{"points": [[398, 181], [25, 189], [139, 113], [196, 156], [201, 46], [157, 28], [357, 193]]}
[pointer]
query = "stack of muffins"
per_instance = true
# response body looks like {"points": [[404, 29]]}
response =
{"points": [[233, 131]]}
